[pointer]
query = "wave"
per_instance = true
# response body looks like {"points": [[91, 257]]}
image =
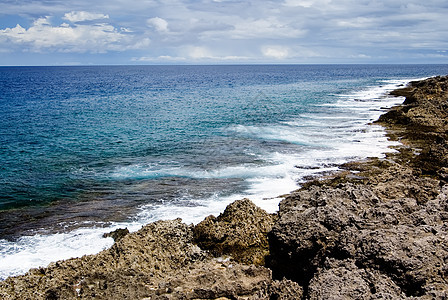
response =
{"points": [[39, 250], [142, 171]]}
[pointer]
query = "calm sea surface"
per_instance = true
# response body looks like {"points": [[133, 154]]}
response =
{"points": [[85, 150]]}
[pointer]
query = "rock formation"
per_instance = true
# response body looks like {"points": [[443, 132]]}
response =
{"points": [[241, 231]]}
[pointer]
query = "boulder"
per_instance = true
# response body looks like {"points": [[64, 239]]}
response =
{"points": [[240, 231]]}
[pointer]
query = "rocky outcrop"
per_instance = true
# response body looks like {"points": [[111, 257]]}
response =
{"points": [[422, 122], [343, 279], [324, 231], [117, 234], [240, 231]]}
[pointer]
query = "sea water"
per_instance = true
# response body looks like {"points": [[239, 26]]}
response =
{"points": [[86, 150]]}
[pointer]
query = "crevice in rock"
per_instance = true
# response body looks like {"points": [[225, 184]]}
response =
{"points": [[410, 286], [300, 267]]}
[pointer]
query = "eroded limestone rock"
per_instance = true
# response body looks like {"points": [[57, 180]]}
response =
{"points": [[240, 231], [393, 225]]}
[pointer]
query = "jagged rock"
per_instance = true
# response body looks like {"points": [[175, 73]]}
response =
{"points": [[214, 279], [117, 234], [309, 226], [281, 290], [240, 231], [399, 181], [159, 261], [130, 268], [342, 279], [424, 117], [400, 238]]}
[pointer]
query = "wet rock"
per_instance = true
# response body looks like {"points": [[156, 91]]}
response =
{"points": [[129, 269], [117, 234], [424, 117]]}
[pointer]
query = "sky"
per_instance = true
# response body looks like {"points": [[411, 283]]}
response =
{"points": [[123, 32]]}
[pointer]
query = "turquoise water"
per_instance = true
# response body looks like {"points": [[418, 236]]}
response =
{"points": [[93, 147]]}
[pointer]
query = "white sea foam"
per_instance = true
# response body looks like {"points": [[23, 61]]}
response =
{"points": [[39, 250], [337, 134]]}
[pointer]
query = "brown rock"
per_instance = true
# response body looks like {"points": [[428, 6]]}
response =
{"points": [[117, 234], [240, 231], [424, 117], [400, 239], [342, 279]]}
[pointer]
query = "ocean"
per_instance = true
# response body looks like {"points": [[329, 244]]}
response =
{"points": [[89, 149]]}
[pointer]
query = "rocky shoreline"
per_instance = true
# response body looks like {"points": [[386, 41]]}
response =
{"points": [[377, 230]]}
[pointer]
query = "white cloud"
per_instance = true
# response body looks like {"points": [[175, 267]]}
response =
{"points": [[359, 22], [124, 29], [266, 28], [42, 22], [159, 24], [276, 52], [97, 38], [361, 56], [306, 3], [200, 53], [227, 30], [80, 16], [161, 58]]}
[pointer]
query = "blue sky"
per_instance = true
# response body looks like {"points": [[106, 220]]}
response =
{"points": [[84, 32]]}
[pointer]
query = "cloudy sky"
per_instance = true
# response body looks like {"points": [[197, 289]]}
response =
{"points": [[67, 32]]}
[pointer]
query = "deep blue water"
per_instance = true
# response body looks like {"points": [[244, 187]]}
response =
{"points": [[71, 135]]}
